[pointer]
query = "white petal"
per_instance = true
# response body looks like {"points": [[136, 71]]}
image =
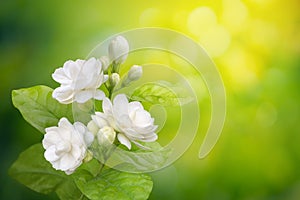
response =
{"points": [[80, 62], [56, 164], [62, 148], [69, 171], [91, 67], [67, 161], [72, 69], [83, 96], [88, 138], [149, 138], [50, 138], [50, 154], [76, 152], [60, 77], [123, 122], [135, 105], [81, 82], [92, 127], [107, 106], [77, 139], [64, 122], [100, 119], [63, 94], [124, 140], [80, 127], [145, 130], [65, 129], [50, 129], [99, 95], [120, 105], [131, 133], [142, 118]]}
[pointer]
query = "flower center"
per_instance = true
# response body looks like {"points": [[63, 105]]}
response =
{"points": [[63, 147]]}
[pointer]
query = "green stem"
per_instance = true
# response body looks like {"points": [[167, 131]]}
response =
{"points": [[110, 92], [106, 158]]}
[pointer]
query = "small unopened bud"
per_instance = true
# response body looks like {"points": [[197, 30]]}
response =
{"points": [[105, 62], [135, 73], [88, 156], [118, 50], [114, 79], [106, 134]]}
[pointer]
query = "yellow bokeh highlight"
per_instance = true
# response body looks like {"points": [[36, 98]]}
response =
{"points": [[201, 19], [215, 40], [203, 24], [152, 17], [242, 68], [180, 19], [217, 26], [262, 35], [234, 15]]}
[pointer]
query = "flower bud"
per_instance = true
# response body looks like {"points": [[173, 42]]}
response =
{"points": [[105, 62], [88, 156], [106, 134], [118, 50], [135, 73], [114, 79]]}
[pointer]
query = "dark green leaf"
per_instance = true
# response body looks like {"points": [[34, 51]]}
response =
{"points": [[39, 108], [69, 191], [93, 167], [113, 184], [32, 170]]}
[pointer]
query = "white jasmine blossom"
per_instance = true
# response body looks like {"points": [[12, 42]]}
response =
{"points": [[131, 122], [66, 145], [118, 50], [79, 81]]}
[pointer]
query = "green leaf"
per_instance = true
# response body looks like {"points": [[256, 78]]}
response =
{"points": [[151, 158], [113, 184], [93, 167], [98, 105], [156, 93], [39, 108], [68, 191], [32, 170]]}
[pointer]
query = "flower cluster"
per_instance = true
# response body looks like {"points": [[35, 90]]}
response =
{"points": [[120, 121], [129, 120]]}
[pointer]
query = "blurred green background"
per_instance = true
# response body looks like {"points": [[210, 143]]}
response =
{"points": [[256, 46]]}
